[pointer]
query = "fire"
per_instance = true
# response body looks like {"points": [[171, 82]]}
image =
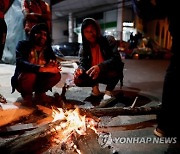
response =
{"points": [[72, 123]]}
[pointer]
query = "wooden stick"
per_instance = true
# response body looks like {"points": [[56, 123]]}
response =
{"points": [[21, 143], [133, 104], [120, 111]]}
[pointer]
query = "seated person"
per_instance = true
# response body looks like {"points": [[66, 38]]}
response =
{"points": [[100, 61], [36, 67]]}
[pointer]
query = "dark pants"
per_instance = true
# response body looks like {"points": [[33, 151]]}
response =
{"points": [[3, 32], [108, 78], [168, 118], [38, 83]]}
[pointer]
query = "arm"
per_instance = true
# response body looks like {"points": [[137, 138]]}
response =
{"points": [[45, 9], [52, 65], [22, 61], [47, 16], [111, 54], [26, 11], [22, 58], [84, 60]]}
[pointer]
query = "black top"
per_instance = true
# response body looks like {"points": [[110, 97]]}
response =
{"points": [[109, 50], [23, 50]]}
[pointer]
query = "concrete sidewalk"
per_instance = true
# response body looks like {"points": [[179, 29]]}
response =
{"points": [[142, 79]]}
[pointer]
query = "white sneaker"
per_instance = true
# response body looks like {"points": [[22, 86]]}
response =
{"points": [[107, 98]]}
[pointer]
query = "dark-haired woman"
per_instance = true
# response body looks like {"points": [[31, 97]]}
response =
{"points": [[36, 67], [100, 61]]}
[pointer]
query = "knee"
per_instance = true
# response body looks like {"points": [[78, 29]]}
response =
{"points": [[78, 82], [54, 78], [57, 77], [27, 77], [26, 82], [114, 74]]}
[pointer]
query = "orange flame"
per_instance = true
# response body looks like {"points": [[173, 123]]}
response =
{"points": [[72, 121]]}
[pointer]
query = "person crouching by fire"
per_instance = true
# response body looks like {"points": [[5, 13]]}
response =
{"points": [[37, 69], [100, 61]]}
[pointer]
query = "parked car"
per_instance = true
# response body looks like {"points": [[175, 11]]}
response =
{"points": [[67, 49], [56, 50]]}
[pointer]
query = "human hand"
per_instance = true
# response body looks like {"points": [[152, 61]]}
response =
{"points": [[52, 67], [93, 71], [78, 72], [53, 63]]}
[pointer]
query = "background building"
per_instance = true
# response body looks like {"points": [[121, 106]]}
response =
{"points": [[67, 17], [116, 17]]}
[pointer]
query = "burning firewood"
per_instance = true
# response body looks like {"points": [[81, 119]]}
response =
{"points": [[20, 144], [121, 111], [66, 127]]}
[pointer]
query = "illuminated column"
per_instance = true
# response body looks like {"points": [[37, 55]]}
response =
{"points": [[120, 20], [71, 28]]}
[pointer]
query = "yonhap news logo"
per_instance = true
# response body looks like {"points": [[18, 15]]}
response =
{"points": [[106, 139]]}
